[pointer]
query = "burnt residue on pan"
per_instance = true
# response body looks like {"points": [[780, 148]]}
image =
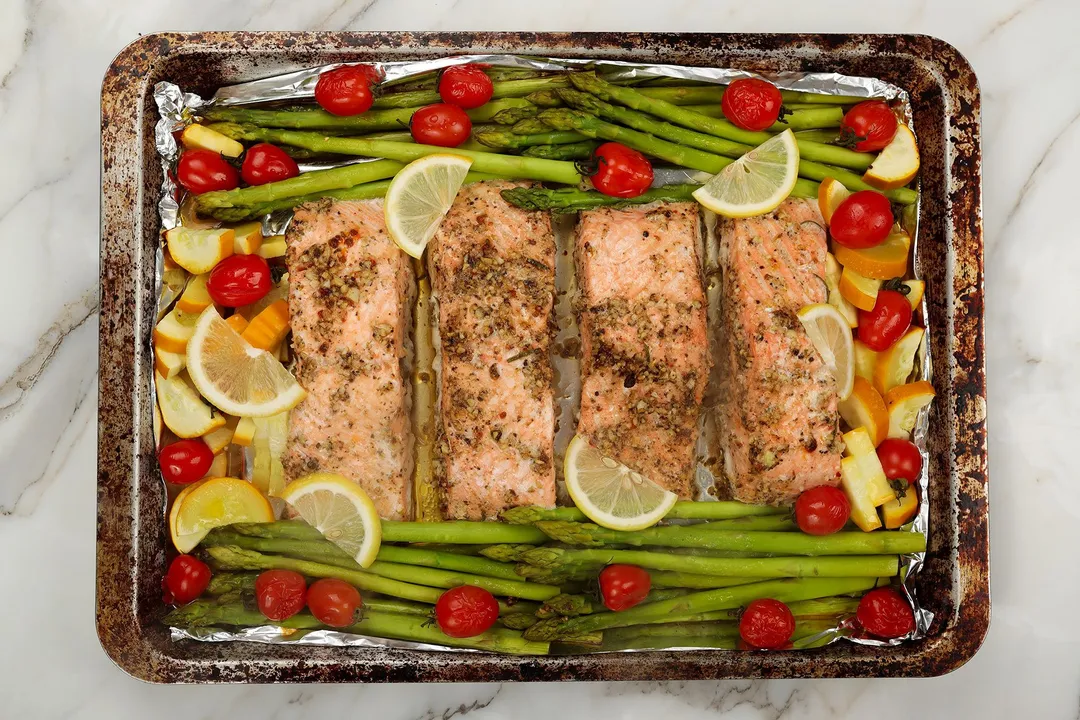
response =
{"points": [[131, 536]]}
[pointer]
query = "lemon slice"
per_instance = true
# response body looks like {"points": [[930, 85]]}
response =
{"points": [[611, 494], [419, 196], [829, 332], [757, 182], [213, 503], [235, 377], [339, 509]]}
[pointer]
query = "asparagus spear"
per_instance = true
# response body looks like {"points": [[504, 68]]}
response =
{"points": [[507, 552], [572, 151], [239, 584], [529, 126], [459, 532], [569, 605], [447, 561], [448, 579], [511, 116], [675, 579], [318, 551], [511, 166], [797, 567], [372, 121], [800, 117], [501, 89], [568, 200], [544, 98], [558, 576], [505, 139], [702, 536], [685, 510], [713, 94], [786, 590], [223, 583], [518, 621], [821, 136]]}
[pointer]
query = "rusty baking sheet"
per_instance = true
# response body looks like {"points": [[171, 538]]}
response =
{"points": [[131, 537]]}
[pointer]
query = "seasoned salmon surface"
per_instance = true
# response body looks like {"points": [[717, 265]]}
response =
{"points": [[779, 431], [492, 270], [350, 299], [645, 359]]}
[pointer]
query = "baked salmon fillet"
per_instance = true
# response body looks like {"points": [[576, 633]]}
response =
{"points": [[350, 300], [779, 423], [492, 269], [645, 352]]}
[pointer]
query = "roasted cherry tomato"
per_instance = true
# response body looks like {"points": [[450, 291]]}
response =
{"points": [[862, 221], [887, 322], [204, 170], [280, 593], [346, 90], [186, 579], [265, 163], [185, 461], [466, 611], [822, 510], [767, 624], [623, 586], [751, 103], [869, 126], [443, 125], [466, 86], [239, 280], [621, 171], [333, 602], [900, 459], [885, 613]]}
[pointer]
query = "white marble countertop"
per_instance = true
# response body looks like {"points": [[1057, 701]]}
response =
{"points": [[52, 56]]}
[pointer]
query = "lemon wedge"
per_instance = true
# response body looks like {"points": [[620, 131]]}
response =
{"points": [[829, 332], [419, 196], [235, 377], [339, 509], [757, 182], [611, 494], [213, 503]]}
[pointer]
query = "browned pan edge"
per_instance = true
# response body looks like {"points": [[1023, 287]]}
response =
{"points": [[131, 535]]}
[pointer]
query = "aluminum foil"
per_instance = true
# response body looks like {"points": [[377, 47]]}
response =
{"points": [[177, 109]]}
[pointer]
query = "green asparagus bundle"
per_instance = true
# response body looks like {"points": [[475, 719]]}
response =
{"points": [[684, 510], [453, 531], [569, 200]]}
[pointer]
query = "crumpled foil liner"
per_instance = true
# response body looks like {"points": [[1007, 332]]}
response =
{"points": [[177, 109]]}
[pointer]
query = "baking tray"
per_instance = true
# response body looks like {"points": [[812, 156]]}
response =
{"points": [[131, 535]]}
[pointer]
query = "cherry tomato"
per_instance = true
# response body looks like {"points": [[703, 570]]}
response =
{"points": [[751, 103], [887, 322], [204, 170], [280, 593], [869, 126], [265, 163], [466, 86], [862, 221], [767, 624], [239, 280], [185, 461], [621, 171], [186, 579], [885, 613], [623, 586], [333, 602], [346, 90], [822, 510], [466, 611], [441, 124], [900, 459]]}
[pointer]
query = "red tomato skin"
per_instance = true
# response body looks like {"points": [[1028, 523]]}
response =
{"points": [[822, 510], [885, 613], [185, 461], [900, 459], [751, 103], [864, 220], [266, 163], [333, 602], [185, 580], [346, 90], [872, 120], [623, 586], [280, 593], [440, 124], [767, 624], [621, 171], [466, 611], [887, 322], [204, 170], [466, 86], [239, 280]]}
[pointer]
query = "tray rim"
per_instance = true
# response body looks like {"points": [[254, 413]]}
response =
{"points": [[119, 555]]}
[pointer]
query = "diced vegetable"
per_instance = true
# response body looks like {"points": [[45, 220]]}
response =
{"points": [[245, 432], [272, 247], [859, 290], [836, 298], [900, 509], [865, 408], [247, 238], [168, 364], [881, 262], [895, 365], [897, 164], [865, 360], [219, 439], [863, 479], [183, 411], [916, 288], [267, 329], [220, 466], [904, 403], [200, 137], [198, 251], [195, 298], [173, 331], [237, 322]]}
